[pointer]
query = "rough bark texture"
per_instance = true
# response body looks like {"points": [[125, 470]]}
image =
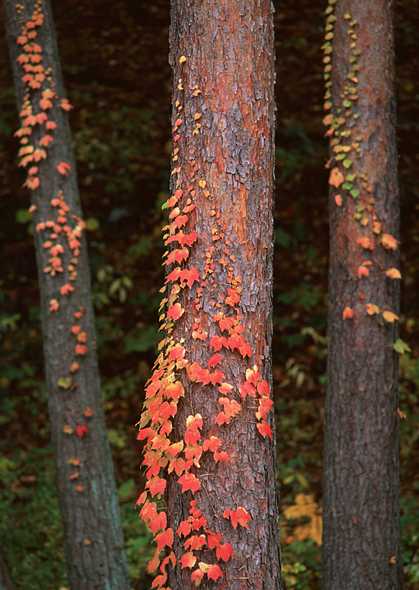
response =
{"points": [[361, 460], [85, 477], [230, 61]]}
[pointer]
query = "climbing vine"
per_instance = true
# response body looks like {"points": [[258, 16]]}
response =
{"points": [[61, 231], [174, 371], [352, 190]]}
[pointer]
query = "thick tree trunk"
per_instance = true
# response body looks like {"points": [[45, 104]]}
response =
{"points": [[86, 485], [361, 496], [221, 497]]}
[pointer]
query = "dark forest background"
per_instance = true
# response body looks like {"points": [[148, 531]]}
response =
{"points": [[114, 57]]}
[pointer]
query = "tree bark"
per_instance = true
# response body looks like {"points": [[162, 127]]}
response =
{"points": [[361, 460], [85, 477], [217, 321], [5, 580]]}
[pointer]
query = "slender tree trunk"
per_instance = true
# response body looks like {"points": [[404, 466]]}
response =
{"points": [[5, 580], [211, 387], [361, 496], [86, 485]]}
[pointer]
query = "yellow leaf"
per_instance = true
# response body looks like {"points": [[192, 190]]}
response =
{"points": [[372, 309], [393, 273], [390, 317], [182, 59], [389, 242], [305, 507]]}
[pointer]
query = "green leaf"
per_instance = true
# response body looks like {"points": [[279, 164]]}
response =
{"points": [[347, 163], [23, 216], [355, 193], [65, 382], [401, 346], [92, 224], [142, 340], [126, 491]]}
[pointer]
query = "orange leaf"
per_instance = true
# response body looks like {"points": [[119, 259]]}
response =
{"points": [[393, 273], [215, 360], [363, 271], [175, 311], [389, 242], [188, 560], [212, 444], [214, 572], [221, 457], [348, 313], [63, 168], [238, 517], [231, 409], [65, 104], [372, 309], [189, 481], [157, 485], [263, 388], [53, 305], [178, 255], [164, 539], [196, 577], [264, 429], [196, 542], [390, 317], [336, 177], [224, 552], [184, 528], [365, 243]]}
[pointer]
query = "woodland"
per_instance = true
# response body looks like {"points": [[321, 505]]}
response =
{"points": [[120, 93]]}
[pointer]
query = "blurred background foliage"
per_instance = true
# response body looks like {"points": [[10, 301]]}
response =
{"points": [[114, 56]]}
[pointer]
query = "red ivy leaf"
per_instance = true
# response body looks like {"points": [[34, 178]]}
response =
{"points": [[196, 577], [264, 429], [63, 168], [164, 539], [238, 517], [175, 311], [189, 481], [184, 528], [224, 552], [81, 430], [188, 560], [157, 485], [214, 572], [215, 360]]}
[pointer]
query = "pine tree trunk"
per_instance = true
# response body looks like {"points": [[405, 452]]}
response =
{"points": [[85, 477], [221, 492], [361, 472]]}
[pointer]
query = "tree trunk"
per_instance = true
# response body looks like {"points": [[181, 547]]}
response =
{"points": [[211, 387], [361, 494], [86, 485], [5, 580]]}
